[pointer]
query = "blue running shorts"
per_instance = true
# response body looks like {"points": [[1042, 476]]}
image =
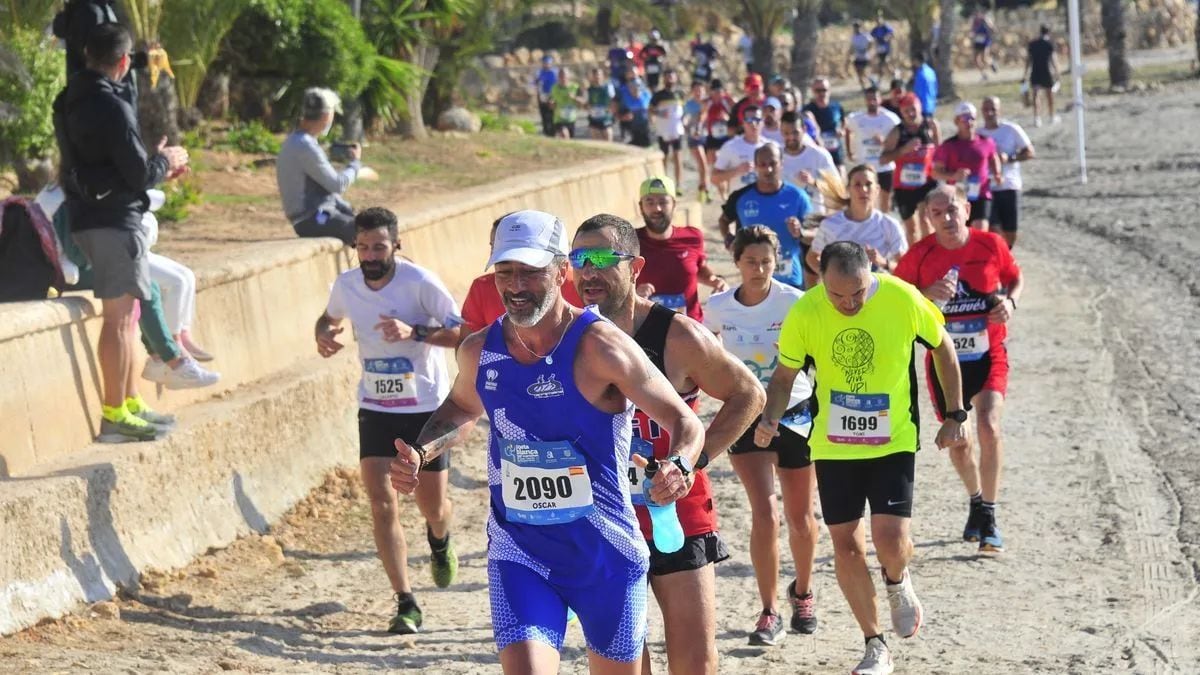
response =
{"points": [[527, 607]]}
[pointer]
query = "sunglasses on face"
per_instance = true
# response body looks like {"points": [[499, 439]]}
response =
{"points": [[820, 91], [752, 120], [600, 258]]}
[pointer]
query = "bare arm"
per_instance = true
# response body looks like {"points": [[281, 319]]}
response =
{"points": [[813, 258], [779, 394], [725, 224], [450, 424], [720, 375], [708, 277], [891, 147], [945, 363]]}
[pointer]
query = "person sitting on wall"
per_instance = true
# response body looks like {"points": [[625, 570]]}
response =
{"points": [[311, 189]]}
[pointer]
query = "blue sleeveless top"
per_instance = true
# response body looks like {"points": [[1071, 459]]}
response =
{"points": [[548, 445]]}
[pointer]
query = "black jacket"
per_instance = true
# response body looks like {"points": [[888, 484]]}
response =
{"points": [[105, 167]]}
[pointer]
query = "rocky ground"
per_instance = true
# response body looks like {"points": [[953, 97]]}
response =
{"points": [[1101, 503]]}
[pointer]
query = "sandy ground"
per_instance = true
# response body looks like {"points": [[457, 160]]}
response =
{"points": [[1099, 508]]}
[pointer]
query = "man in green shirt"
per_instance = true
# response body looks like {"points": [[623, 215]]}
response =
{"points": [[857, 329], [566, 96]]}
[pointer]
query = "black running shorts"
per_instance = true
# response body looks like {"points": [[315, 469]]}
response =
{"points": [[885, 181], [378, 431], [1006, 209], [697, 551], [906, 201], [846, 485], [980, 209], [791, 447]]}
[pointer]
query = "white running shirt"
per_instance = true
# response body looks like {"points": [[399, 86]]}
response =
{"points": [[398, 377], [735, 151], [814, 160], [752, 333], [1010, 139], [880, 231], [867, 132], [861, 44]]}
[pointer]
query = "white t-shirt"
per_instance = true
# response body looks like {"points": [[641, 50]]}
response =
{"points": [[880, 231], [774, 135], [864, 128], [668, 119], [398, 377], [815, 160], [1010, 139], [861, 44], [735, 151], [752, 333]]}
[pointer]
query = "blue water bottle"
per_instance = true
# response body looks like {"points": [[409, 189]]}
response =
{"points": [[668, 534]]}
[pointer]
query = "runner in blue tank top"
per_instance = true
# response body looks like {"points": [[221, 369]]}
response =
{"points": [[558, 385]]}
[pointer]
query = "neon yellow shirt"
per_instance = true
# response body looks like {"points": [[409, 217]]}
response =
{"points": [[866, 378]]}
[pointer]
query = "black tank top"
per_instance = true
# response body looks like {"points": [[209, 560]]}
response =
{"points": [[652, 335], [922, 133]]}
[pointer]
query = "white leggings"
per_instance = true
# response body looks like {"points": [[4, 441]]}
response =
{"points": [[178, 291]]}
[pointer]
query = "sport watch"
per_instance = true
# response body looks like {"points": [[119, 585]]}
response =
{"points": [[685, 467], [959, 416]]}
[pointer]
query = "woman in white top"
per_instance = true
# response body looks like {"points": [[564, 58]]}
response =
{"points": [[748, 319], [859, 221]]}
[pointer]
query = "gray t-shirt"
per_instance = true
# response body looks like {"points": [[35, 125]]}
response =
{"points": [[308, 183]]}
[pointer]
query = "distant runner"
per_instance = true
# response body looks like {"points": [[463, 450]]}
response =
{"points": [[1014, 147]]}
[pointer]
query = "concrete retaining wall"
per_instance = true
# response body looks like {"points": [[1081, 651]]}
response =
{"points": [[78, 519]]}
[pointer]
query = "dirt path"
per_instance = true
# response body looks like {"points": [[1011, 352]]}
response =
{"points": [[1099, 505]]}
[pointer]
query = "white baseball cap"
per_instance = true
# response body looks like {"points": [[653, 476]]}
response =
{"points": [[529, 237], [773, 102], [966, 108]]}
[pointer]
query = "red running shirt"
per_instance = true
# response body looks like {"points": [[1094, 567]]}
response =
{"points": [[483, 305], [673, 266], [985, 267]]}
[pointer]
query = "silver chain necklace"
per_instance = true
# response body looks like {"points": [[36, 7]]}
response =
{"points": [[548, 356]]}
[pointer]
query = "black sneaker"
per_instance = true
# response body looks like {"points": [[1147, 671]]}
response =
{"points": [[804, 610], [408, 616], [990, 539], [768, 632], [974, 522]]}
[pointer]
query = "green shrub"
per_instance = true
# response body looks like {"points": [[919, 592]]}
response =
{"points": [[181, 194], [30, 90], [253, 138], [296, 44], [496, 122]]}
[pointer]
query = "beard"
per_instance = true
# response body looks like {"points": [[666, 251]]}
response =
{"points": [[615, 299], [374, 270], [534, 311], [658, 223]]}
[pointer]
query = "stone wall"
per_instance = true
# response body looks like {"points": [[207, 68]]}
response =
{"points": [[503, 83]]}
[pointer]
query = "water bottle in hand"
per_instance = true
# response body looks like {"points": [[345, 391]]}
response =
{"points": [[952, 277], [668, 534]]}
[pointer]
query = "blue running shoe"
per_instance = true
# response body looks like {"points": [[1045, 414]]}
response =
{"points": [[990, 540]]}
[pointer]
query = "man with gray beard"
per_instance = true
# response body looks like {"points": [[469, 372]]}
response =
{"points": [[607, 260], [675, 258]]}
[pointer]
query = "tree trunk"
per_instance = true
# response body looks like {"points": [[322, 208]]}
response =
{"points": [[412, 125], [1112, 19], [604, 25], [943, 65], [763, 51], [805, 32], [157, 109]]}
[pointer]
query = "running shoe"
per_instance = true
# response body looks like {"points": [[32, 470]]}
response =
{"points": [[768, 632], [161, 420], [128, 429], [408, 617], [990, 539], [876, 661], [704, 198], [804, 610], [974, 519], [906, 607], [443, 564]]}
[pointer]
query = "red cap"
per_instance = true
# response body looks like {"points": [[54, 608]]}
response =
{"points": [[753, 81]]}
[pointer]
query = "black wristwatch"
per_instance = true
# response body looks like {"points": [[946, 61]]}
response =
{"points": [[959, 416], [685, 467], [702, 461]]}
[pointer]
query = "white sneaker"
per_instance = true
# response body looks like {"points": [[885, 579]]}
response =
{"points": [[155, 370], [1056, 120], [876, 661], [906, 608], [189, 375], [1037, 121]]}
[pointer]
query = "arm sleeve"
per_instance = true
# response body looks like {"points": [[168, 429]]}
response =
{"points": [[336, 307], [724, 159], [712, 316], [438, 303], [897, 243], [472, 311], [729, 210], [317, 167], [793, 348], [820, 239], [942, 154], [138, 170]]}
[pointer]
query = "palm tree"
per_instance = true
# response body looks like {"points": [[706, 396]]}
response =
{"points": [[158, 104], [806, 28], [1112, 19], [764, 18], [944, 63]]}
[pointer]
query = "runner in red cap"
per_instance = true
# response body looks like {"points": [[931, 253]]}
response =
{"points": [[910, 145], [753, 85]]}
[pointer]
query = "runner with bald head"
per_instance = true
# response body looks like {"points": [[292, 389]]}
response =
{"points": [[1013, 146]]}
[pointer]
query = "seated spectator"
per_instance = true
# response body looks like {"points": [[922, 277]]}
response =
{"points": [[106, 171], [311, 189], [483, 305]]}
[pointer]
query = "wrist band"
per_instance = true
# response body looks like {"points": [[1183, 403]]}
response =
{"points": [[420, 450]]}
